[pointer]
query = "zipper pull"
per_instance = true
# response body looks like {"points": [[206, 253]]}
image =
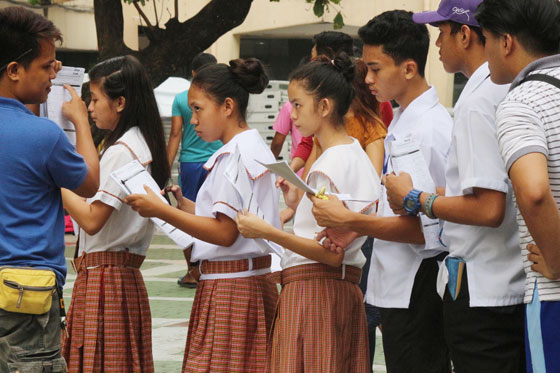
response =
{"points": [[18, 305]]}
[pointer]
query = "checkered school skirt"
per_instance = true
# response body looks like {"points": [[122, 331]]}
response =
{"points": [[320, 323], [109, 321], [230, 320]]}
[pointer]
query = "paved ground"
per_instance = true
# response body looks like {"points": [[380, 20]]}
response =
{"points": [[170, 304]]}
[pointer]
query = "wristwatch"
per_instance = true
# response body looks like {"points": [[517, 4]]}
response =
{"points": [[412, 202]]}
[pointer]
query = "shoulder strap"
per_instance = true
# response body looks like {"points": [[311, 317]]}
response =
{"points": [[542, 78]]}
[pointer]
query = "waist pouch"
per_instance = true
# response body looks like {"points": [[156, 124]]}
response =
{"points": [[26, 290]]}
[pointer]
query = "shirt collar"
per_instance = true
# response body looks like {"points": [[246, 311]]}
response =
{"points": [[541, 63], [476, 79], [404, 119], [15, 104], [248, 141]]}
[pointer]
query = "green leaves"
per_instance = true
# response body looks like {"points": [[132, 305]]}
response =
{"points": [[319, 8], [338, 21]]}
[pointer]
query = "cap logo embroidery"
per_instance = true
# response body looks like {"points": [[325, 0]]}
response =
{"points": [[459, 11]]}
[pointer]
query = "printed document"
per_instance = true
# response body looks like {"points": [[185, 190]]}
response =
{"points": [[73, 76], [405, 155], [131, 178], [238, 177]]}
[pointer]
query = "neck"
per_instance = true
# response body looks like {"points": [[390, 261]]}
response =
{"points": [[520, 60], [474, 58], [416, 87], [233, 128], [5, 90], [330, 135]]}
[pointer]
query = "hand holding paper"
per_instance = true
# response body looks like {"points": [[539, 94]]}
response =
{"points": [[147, 205], [398, 186], [250, 225]]}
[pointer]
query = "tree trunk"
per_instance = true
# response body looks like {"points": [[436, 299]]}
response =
{"points": [[173, 48]]}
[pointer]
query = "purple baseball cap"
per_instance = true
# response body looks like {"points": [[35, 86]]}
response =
{"points": [[460, 11]]}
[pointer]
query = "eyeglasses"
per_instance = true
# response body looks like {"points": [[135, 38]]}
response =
{"points": [[17, 58]]}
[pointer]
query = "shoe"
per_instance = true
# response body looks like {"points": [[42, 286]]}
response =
{"points": [[187, 281]]}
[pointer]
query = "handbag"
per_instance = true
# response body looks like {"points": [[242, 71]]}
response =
{"points": [[26, 290]]}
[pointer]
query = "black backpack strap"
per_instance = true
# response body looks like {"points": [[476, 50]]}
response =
{"points": [[542, 78]]}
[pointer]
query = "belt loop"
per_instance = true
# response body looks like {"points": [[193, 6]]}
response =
{"points": [[343, 271], [127, 257], [250, 260], [200, 267]]}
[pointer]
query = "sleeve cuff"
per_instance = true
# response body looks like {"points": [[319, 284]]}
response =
{"points": [[225, 208], [497, 185], [108, 199], [521, 152]]}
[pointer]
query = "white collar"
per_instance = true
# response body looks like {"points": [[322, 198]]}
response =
{"points": [[404, 120], [477, 78], [249, 142]]}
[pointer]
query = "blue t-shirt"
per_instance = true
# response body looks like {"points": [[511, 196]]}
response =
{"points": [[193, 148], [36, 160]]}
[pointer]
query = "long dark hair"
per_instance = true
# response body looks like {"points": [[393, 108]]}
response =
{"points": [[364, 106], [125, 76], [323, 78], [236, 81]]}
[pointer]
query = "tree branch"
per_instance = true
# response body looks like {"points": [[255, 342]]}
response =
{"points": [[143, 15]]}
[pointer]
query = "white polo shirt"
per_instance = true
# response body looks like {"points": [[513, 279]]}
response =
{"points": [[344, 169], [217, 194], [125, 228], [394, 265], [494, 266]]}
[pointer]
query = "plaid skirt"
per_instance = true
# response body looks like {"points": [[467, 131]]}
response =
{"points": [[109, 320], [320, 323], [230, 320]]}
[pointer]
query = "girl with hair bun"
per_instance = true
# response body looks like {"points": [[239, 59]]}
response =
{"points": [[320, 324], [109, 321], [234, 302]]}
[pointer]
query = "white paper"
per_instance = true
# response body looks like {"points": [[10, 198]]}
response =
{"points": [[282, 168], [237, 175], [74, 77], [131, 178], [405, 155]]}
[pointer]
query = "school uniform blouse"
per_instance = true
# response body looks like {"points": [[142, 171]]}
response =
{"points": [[341, 169], [125, 228], [217, 194], [494, 266], [393, 264]]}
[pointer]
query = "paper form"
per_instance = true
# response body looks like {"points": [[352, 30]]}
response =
{"points": [[405, 155], [73, 76], [282, 168], [131, 178], [237, 175]]}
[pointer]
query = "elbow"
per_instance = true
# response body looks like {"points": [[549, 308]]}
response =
{"points": [[92, 228], [495, 218], [229, 240]]}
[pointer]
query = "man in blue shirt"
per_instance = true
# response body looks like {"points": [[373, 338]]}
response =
{"points": [[37, 160], [194, 151]]}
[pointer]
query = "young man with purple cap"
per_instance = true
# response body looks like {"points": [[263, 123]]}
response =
{"points": [[481, 282], [522, 40]]}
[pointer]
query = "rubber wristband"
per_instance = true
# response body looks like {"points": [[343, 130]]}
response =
{"points": [[429, 204]]}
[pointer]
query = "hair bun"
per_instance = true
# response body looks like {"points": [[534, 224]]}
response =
{"points": [[249, 73], [343, 63]]}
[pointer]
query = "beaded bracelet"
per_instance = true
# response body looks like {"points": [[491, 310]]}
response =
{"points": [[428, 205]]}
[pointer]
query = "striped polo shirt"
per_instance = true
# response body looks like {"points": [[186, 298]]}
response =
{"points": [[528, 121]]}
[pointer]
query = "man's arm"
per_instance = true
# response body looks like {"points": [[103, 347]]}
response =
{"points": [[332, 213], [174, 138], [484, 207], [529, 176]]}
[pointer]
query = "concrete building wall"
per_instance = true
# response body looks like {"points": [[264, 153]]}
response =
{"points": [[295, 18]]}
